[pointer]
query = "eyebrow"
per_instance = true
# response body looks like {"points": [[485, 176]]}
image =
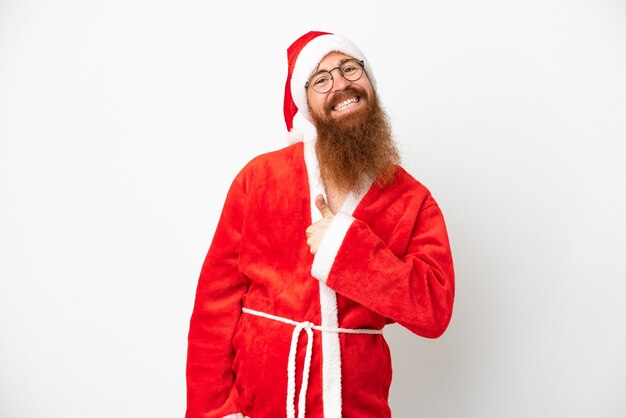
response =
{"points": [[341, 62]]}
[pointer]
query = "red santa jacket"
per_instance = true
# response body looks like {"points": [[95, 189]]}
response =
{"points": [[385, 258]]}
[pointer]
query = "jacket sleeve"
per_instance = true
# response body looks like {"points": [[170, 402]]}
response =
{"points": [[210, 381], [415, 289]]}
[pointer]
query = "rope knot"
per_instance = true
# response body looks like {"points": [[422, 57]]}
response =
{"points": [[291, 361], [307, 325]]}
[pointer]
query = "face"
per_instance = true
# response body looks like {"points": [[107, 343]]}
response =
{"points": [[345, 97]]}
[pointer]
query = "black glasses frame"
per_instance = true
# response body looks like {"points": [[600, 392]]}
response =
{"points": [[361, 63]]}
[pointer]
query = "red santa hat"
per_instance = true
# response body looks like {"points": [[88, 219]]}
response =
{"points": [[303, 57]]}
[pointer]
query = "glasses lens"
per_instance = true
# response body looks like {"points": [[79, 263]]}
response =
{"points": [[352, 70], [322, 82]]}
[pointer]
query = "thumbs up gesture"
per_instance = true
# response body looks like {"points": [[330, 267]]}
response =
{"points": [[316, 231]]}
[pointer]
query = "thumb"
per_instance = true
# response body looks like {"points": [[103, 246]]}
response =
{"points": [[323, 207]]}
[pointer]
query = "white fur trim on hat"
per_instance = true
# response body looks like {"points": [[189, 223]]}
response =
{"points": [[309, 58]]}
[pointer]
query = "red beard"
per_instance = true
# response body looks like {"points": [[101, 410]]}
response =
{"points": [[356, 146]]}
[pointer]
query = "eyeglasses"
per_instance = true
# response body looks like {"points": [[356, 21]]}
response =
{"points": [[323, 81]]}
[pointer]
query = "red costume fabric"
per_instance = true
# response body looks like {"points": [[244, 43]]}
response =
{"points": [[385, 258]]}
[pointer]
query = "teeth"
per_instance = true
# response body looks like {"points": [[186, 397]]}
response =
{"points": [[346, 103]]}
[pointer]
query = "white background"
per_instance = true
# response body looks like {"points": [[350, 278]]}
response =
{"points": [[122, 124]]}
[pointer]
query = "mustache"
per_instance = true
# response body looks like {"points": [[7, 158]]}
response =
{"points": [[340, 96]]}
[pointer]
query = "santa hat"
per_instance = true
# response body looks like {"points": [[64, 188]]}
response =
{"points": [[303, 57]]}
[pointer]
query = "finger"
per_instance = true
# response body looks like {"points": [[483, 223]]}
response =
{"points": [[323, 207], [311, 246]]}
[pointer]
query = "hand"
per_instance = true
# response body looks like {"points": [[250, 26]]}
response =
{"points": [[315, 232]]}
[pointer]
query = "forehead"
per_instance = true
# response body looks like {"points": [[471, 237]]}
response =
{"points": [[331, 60]]}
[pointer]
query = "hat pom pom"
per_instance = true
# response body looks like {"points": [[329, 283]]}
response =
{"points": [[295, 135]]}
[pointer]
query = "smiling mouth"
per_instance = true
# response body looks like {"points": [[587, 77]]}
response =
{"points": [[346, 104]]}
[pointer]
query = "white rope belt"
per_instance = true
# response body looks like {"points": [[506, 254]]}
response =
{"points": [[291, 365]]}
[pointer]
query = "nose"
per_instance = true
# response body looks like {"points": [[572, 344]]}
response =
{"points": [[339, 82]]}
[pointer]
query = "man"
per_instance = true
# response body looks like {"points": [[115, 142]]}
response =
{"points": [[319, 246]]}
